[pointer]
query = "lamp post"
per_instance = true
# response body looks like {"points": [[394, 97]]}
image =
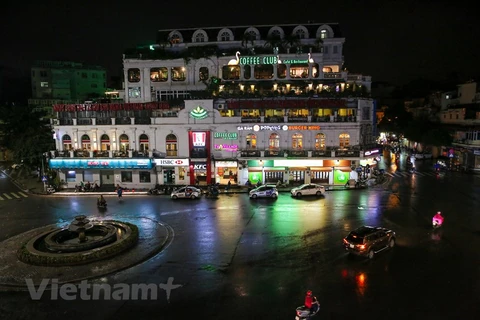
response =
{"points": [[263, 172]]}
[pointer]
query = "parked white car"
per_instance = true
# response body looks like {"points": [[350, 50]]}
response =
{"points": [[308, 189], [265, 191], [188, 192]]}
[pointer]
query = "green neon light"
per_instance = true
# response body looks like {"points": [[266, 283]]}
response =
{"points": [[253, 60], [199, 113]]}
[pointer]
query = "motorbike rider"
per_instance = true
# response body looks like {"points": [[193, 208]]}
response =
{"points": [[438, 218], [310, 301], [101, 201]]}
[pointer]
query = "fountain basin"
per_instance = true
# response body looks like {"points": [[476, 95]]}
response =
{"points": [[56, 248]]}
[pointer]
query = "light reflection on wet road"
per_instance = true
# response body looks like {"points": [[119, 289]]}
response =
{"points": [[242, 259]]}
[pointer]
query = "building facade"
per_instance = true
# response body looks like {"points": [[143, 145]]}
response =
{"points": [[264, 104]]}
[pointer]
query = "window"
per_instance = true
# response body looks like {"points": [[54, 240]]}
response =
{"points": [[134, 75], [300, 34], [143, 140], [200, 37], [263, 71], [203, 73], [366, 113], [299, 70], [251, 35], [84, 75], [274, 141], [178, 74], [171, 145], [104, 142], [275, 34], [247, 72], [126, 176], [251, 141], [325, 49], [320, 141], [43, 74], [43, 84], [124, 142], [134, 92], [67, 142], [85, 142], [175, 38], [297, 141], [225, 36], [144, 176], [70, 176], [159, 74], [231, 72], [344, 140], [335, 49], [323, 34], [281, 71]]}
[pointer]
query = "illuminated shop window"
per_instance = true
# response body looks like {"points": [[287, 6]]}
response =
{"points": [[274, 141]]}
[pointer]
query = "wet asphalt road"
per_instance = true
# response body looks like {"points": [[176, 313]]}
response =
{"points": [[238, 258]]}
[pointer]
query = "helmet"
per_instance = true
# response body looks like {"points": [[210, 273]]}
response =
{"points": [[309, 292]]}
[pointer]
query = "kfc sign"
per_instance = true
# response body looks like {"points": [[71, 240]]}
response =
{"points": [[200, 166], [172, 162], [199, 139]]}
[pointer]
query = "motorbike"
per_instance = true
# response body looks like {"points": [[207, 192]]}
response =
{"points": [[436, 223], [156, 190], [212, 192], [102, 205], [50, 189], [304, 312]]}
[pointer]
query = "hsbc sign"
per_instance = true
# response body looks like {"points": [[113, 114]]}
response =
{"points": [[172, 162]]}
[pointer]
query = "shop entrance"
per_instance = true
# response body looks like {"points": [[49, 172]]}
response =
{"points": [[320, 177], [273, 176], [168, 176], [107, 178]]}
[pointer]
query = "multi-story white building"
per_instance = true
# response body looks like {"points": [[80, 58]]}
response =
{"points": [[262, 103]]}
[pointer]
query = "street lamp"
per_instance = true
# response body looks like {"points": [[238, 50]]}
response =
{"points": [[263, 172]]}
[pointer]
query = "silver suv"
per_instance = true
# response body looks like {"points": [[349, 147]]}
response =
{"points": [[367, 241]]}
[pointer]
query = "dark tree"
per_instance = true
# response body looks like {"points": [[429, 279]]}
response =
{"points": [[25, 133]]}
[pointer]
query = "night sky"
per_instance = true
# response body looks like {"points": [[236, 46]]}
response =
{"points": [[393, 41]]}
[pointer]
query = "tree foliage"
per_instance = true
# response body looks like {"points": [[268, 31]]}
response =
{"points": [[25, 134]]}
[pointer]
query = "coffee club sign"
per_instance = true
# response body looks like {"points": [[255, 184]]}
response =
{"points": [[264, 60], [226, 135]]}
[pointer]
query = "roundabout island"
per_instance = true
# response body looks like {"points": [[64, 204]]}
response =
{"points": [[87, 248]]}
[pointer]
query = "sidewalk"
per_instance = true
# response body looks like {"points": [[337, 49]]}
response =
{"points": [[31, 184]]}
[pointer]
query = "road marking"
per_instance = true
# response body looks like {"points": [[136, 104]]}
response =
{"points": [[15, 195], [23, 194], [1, 198], [7, 196]]}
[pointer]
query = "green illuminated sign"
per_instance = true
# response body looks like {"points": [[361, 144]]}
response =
{"points": [[255, 177], [292, 61], [340, 177], [199, 113], [226, 135], [253, 60]]}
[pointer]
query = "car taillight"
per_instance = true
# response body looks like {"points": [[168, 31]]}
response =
{"points": [[361, 246], [345, 241], [298, 313]]}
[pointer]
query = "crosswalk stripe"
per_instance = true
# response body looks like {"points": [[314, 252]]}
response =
{"points": [[7, 196], [15, 195], [23, 194], [1, 198]]}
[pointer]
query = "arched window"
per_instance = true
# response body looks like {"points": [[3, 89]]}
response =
{"points": [[300, 34], [252, 33], [320, 141], [159, 74], [143, 139], [297, 141], [200, 37], [231, 72], [86, 142], [203, 73], [104, 142], [274, 141], [344, 139], [171, 144], [67, 142], [225, 36], [124, 143], [251, 141], [175, 37]]}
